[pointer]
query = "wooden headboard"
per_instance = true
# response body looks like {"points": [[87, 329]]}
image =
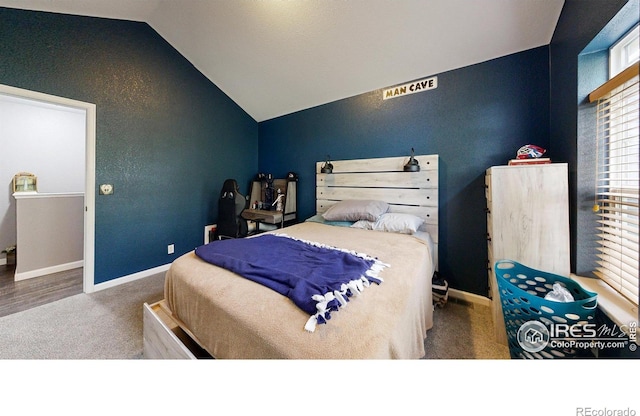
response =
{"points": [[384, 179]]}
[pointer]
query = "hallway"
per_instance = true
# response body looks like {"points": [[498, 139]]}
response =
{"points": [[29, 293]]}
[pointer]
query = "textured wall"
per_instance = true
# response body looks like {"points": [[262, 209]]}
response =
{"points": [[167, 138], [477, 117]]}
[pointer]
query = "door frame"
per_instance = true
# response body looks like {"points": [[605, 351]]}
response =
{"points": [[88, 271]]}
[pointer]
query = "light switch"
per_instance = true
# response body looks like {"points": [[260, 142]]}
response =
{"points": [[106, 189]]}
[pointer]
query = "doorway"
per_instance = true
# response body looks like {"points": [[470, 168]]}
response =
{"points": [[89, 187]]}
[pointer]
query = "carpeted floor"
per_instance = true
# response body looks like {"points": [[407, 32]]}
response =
{"points": [[463, 330], [108, 325], [103, 325]]}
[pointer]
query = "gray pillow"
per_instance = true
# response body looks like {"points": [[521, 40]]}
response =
{"points": [[356, 210]]}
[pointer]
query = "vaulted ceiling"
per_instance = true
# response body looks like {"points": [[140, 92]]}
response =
{"points": [[275, 57]]}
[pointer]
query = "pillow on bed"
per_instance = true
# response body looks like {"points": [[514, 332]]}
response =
{"points": [[393, 223], [319, 218], [364, 224], [398, 223], [355, 210]]}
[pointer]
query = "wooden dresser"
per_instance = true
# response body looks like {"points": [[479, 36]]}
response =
{"points": [[528, 222]]}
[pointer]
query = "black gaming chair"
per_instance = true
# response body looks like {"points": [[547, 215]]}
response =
{"points": [[230, 205]]}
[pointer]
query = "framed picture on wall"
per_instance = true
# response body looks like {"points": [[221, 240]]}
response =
{"points": [[25, 182]]}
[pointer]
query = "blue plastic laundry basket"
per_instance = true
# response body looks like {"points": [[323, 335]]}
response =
{"points": [[522, 291]]}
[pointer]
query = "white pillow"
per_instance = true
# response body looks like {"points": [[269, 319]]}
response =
{"points": [[363, 224], [398, 223], [355, 210]]}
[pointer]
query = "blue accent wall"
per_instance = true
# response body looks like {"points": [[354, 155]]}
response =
{"points": [[477, 117], [167, 137]]}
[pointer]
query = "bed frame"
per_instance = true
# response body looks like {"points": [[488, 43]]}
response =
{"points": [[379, 178], [384, 179]]}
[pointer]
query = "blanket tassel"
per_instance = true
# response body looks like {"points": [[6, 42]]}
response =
{"points": [[310, 326]]}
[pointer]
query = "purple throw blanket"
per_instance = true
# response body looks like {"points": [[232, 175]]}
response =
{"points": [[318, 278]]}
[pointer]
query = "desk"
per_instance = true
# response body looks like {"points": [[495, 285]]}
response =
{"points": [[264, 216], [286, 188]]}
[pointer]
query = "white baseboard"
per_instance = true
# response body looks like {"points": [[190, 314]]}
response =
{"points": [[131, 277], [470, 297], [48, 270]]}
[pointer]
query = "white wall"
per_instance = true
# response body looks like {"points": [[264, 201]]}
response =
{"points": [[44, 139]]}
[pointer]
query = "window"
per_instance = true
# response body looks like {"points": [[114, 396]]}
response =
{"points": [[617, 177], [624, 52]]}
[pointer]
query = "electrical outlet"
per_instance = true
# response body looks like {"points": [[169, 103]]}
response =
{"points": [[170, 249], [207, 229]]}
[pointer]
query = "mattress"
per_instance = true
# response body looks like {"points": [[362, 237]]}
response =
{"points": [[234, 318]]}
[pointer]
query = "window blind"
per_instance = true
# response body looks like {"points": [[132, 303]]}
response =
{"points": [[617, 181]]}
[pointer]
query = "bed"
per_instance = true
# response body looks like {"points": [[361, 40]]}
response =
{"points": [[209, 311]]}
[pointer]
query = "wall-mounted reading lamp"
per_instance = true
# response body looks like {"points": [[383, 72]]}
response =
{"points": [[412, 165], [327, 167]]}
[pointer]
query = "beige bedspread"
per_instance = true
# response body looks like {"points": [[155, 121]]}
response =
{"points": [[233, 317]]}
